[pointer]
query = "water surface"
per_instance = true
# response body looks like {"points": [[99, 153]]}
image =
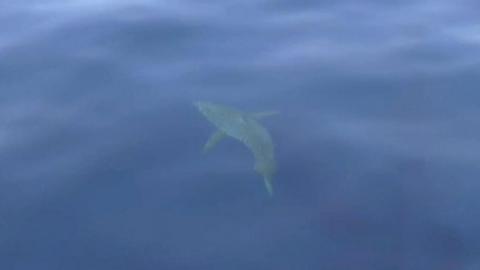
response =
{"points": [[377, 143]]}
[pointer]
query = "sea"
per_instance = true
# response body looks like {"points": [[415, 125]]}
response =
{"points": [[376, 140]]}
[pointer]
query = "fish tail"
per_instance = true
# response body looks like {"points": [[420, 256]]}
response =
{"points": [[268, 185]]}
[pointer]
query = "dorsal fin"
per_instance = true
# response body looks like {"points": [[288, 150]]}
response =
{"points": [[262, 115]]}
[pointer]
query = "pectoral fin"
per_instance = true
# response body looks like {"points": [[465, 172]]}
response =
{"points": [[262, 115], [214, 139]]}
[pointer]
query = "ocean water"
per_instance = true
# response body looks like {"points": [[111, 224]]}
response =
{"points": [[377, 140]]}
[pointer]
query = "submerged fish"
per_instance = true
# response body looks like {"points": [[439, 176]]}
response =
{"points": [[245, 128]]}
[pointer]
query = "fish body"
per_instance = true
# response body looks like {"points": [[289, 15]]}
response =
{"points": [[246, 128]]}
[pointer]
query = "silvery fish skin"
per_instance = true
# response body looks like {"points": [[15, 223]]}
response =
{"points": [[245, 128]]}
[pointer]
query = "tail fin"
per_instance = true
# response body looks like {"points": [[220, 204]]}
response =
{"points": [[268, 185]]}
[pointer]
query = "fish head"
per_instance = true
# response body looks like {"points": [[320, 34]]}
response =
{"points": [[219, 115], [207, 108]]}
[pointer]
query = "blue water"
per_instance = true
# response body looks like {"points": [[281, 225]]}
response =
{"points": [[377, 140]]}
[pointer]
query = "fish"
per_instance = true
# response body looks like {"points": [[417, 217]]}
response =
{"points": [[246, 128]]}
